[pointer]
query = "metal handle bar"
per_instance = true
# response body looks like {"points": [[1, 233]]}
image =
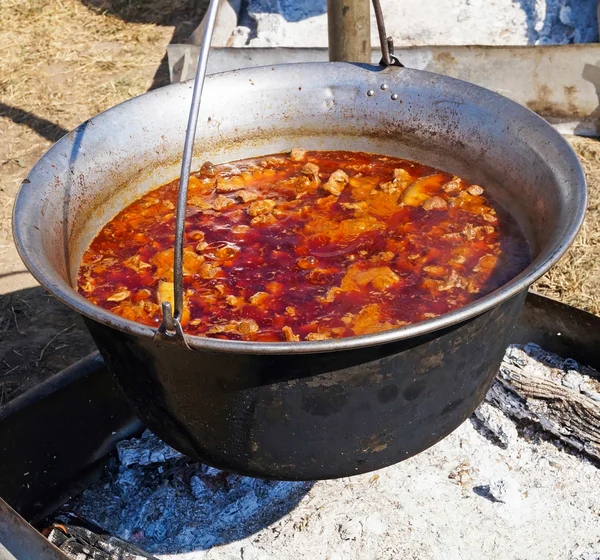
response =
{"points": [[171, 319]]}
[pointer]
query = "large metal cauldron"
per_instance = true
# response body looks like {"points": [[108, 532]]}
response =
{"points": [[311, 409]]}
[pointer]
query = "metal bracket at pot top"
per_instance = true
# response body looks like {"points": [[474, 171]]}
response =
{"points": [[387, 43], [170, 328]]}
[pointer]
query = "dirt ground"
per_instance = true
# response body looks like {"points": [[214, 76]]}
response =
{"points": [[61, 62]]}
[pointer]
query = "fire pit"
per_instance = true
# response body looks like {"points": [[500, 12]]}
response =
{"points": [[500, 471], [318, 409]]}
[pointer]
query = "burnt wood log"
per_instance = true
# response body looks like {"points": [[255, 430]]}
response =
{"points": [[560, 396]]}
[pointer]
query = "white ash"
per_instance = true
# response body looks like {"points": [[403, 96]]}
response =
{"points": [[145, 451], [476, 494], [289, 23], [497, 424], [505, 489]]}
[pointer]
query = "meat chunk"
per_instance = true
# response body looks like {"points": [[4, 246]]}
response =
{"points": [[453, 185], [475, 190], [261, 207], [199, 202], [318, 336], [208, 271], [311, 170], [263, 220], [434, 203], [297, 154], [358, 207], [136, 264], [247, 196], [192, 261], [384, 256], [222, 202], [453, 281], [235, 301], [163, 261], [402, 176], [389, 188], [259, 298], [452, 236], [272, 161], [399, 182], [289, 335], [244, 327], [208, 169], [336, 182], [247, 326], [435, 271], [486, 263], [380, 277], [368, 320], [240, 229], [345, 231], [119, 295], [230, 184]]}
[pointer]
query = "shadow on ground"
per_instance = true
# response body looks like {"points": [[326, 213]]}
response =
{"points": [[184, 15], [45, 128], [39, 336]]}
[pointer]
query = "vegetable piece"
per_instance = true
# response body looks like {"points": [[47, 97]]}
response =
{"points": [[422, 189], [165, 291]]}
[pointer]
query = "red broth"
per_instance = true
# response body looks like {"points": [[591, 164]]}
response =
{"points": [[306, 246]]}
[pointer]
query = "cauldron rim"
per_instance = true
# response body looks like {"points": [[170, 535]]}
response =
{"points": [[537, 268]]}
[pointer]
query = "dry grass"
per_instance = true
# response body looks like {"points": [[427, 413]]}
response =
{"points": [[576, 278], [62, 61]]}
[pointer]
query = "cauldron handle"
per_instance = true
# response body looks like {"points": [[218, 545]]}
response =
{"points": [[170, 327], [387, 43], [171, 319]]}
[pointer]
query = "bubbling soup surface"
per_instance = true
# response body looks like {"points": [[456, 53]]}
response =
{"points": [[306, 246]]}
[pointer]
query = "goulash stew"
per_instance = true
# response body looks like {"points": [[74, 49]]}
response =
{"points": [[306, 246]]}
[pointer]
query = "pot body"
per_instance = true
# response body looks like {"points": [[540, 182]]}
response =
{"points": [[321, 408], [311, 416]]}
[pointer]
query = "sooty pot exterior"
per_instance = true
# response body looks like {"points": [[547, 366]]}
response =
{"points": [[311, 416], [313, 409]]}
